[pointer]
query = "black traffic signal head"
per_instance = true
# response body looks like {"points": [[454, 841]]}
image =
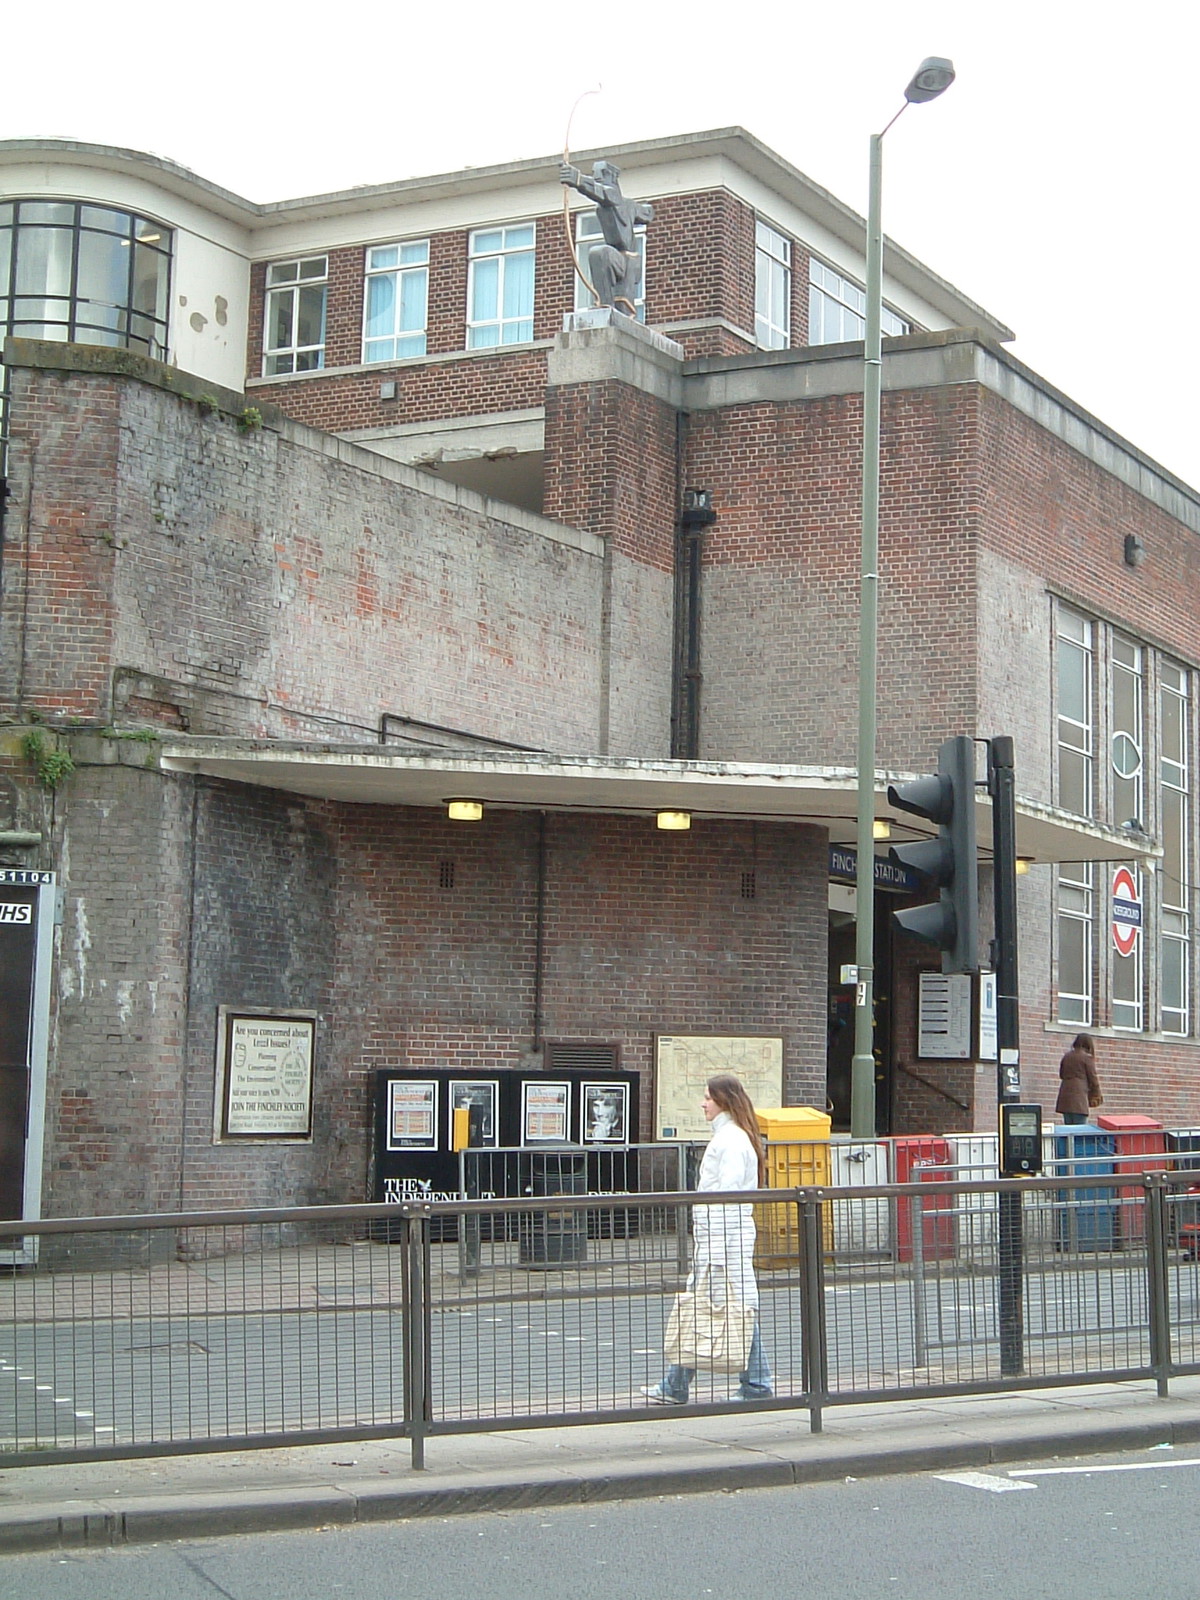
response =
{"points": [[950, 861]]}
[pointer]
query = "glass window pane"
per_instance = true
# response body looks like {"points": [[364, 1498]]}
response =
{"points": [[150, 282], [103, 274], [1073, 782], [43, 261], [36, 308], [381, 306], [280, 335], [41, 330], [283, 272], [1072, 950], [415, 254], [483, 244], [413, 295], [104, 218], [60, 211], [314, 267], [485, 290], [310, 318], [91, 315], [1171, 974], [519, 238], [518, 286], [482, 338], [5, 258], [1072, 682], [383, 256]]}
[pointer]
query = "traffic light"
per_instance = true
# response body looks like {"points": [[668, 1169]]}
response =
{"points": [[950, 861]]}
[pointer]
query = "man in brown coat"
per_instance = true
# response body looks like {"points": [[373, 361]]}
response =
{"points": [[1080, 1087]]}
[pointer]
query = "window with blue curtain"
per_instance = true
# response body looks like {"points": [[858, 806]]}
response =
{"points": [[500, 286]]}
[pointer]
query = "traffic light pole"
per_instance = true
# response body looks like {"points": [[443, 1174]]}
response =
{"points": [[862, 1067], [1002, 788]]}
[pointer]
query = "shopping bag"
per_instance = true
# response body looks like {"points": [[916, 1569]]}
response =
{"points": [[707, 1336]]}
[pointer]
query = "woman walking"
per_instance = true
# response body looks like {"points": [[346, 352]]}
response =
{"points": [[723, 1248], [1079, 1090]]}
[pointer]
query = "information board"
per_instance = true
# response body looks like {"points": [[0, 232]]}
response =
{"points": [[683, 1064]]}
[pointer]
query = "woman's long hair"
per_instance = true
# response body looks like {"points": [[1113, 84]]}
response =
{"points": [[730, 1095], [1083, 1041]]}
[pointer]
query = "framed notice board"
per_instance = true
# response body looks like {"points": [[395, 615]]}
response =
{"points": [[683, 1064]]}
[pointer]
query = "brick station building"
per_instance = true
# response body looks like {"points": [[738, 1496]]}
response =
{"points": [[324, 512]]}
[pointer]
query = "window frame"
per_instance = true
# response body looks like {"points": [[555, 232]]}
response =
{"points": [[506, 252], [1175, 922], [829, 287], [1079, 913], [772, 271], [585, 300], [139, 234], [275, 291], [401, 271], [1083, 749]]}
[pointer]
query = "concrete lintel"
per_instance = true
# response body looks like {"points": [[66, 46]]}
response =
{"points": [[602, 346]]}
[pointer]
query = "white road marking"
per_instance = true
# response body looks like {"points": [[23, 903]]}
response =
{"points": [[982, 1480], [1116, 1466]]}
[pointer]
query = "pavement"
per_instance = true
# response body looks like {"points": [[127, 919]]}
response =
{"points": [[250, 1491]]}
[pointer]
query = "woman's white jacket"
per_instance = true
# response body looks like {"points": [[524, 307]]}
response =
{"points": [[724, 1235]]}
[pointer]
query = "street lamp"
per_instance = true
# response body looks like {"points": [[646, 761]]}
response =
{"points": [[930, 79]]}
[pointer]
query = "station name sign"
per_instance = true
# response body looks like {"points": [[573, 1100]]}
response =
{"points": [[843, 864]]}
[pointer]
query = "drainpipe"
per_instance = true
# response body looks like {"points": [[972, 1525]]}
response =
{"points": [[697, 515]]}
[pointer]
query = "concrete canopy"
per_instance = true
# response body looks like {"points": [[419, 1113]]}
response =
{"points": [[820, 796]]}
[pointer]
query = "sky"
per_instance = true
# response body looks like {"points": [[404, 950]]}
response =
{"points": [[1054, 182]]}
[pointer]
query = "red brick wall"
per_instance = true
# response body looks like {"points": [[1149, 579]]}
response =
{"points": [[700, 265], [63, 544], [781, 585], [643, 934], [610, 467], [266, 588]]}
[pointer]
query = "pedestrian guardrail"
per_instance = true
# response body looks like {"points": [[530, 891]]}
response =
{"points": [[212, 1330]]}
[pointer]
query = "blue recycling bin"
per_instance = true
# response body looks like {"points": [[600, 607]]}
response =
{"points": [[1085, 1219]]}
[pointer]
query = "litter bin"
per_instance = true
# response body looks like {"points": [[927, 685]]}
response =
{"points": [[1183, 1205], [797, 1157], [1141, 1146], [975, 1157], [1085, 1219], [548, 1239], [860, 1227], [916, 1157]]}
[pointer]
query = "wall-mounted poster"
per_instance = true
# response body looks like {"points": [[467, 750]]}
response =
{"points": [[685, 1063], [478, 1097], [605, 1113], [545, 1112], [264, 1074], [412, 1114]]}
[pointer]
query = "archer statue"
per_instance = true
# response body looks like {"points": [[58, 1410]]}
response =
{"points": [[615, 265]]}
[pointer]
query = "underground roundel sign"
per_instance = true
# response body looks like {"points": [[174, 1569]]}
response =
{"points": [[1126, 911]]}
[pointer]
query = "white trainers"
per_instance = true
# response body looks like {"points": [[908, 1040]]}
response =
{"points": [[656, 1393]]}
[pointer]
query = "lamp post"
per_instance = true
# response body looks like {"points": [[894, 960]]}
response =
{"points": [[930, 79]]}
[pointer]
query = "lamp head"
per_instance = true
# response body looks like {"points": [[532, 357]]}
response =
{"points": [[932, 78]]}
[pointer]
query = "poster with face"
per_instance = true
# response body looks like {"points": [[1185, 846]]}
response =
{"points": [[605, 1113], [478, 1098], [545, 1111]]}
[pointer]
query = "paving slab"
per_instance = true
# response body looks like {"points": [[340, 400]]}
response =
{"points": [[220, 1493]]}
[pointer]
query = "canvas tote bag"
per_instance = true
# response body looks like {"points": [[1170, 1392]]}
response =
{"points": [[709, 1337]]}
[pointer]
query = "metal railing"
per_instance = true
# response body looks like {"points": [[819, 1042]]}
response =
{"points": [[213, 1330]]}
